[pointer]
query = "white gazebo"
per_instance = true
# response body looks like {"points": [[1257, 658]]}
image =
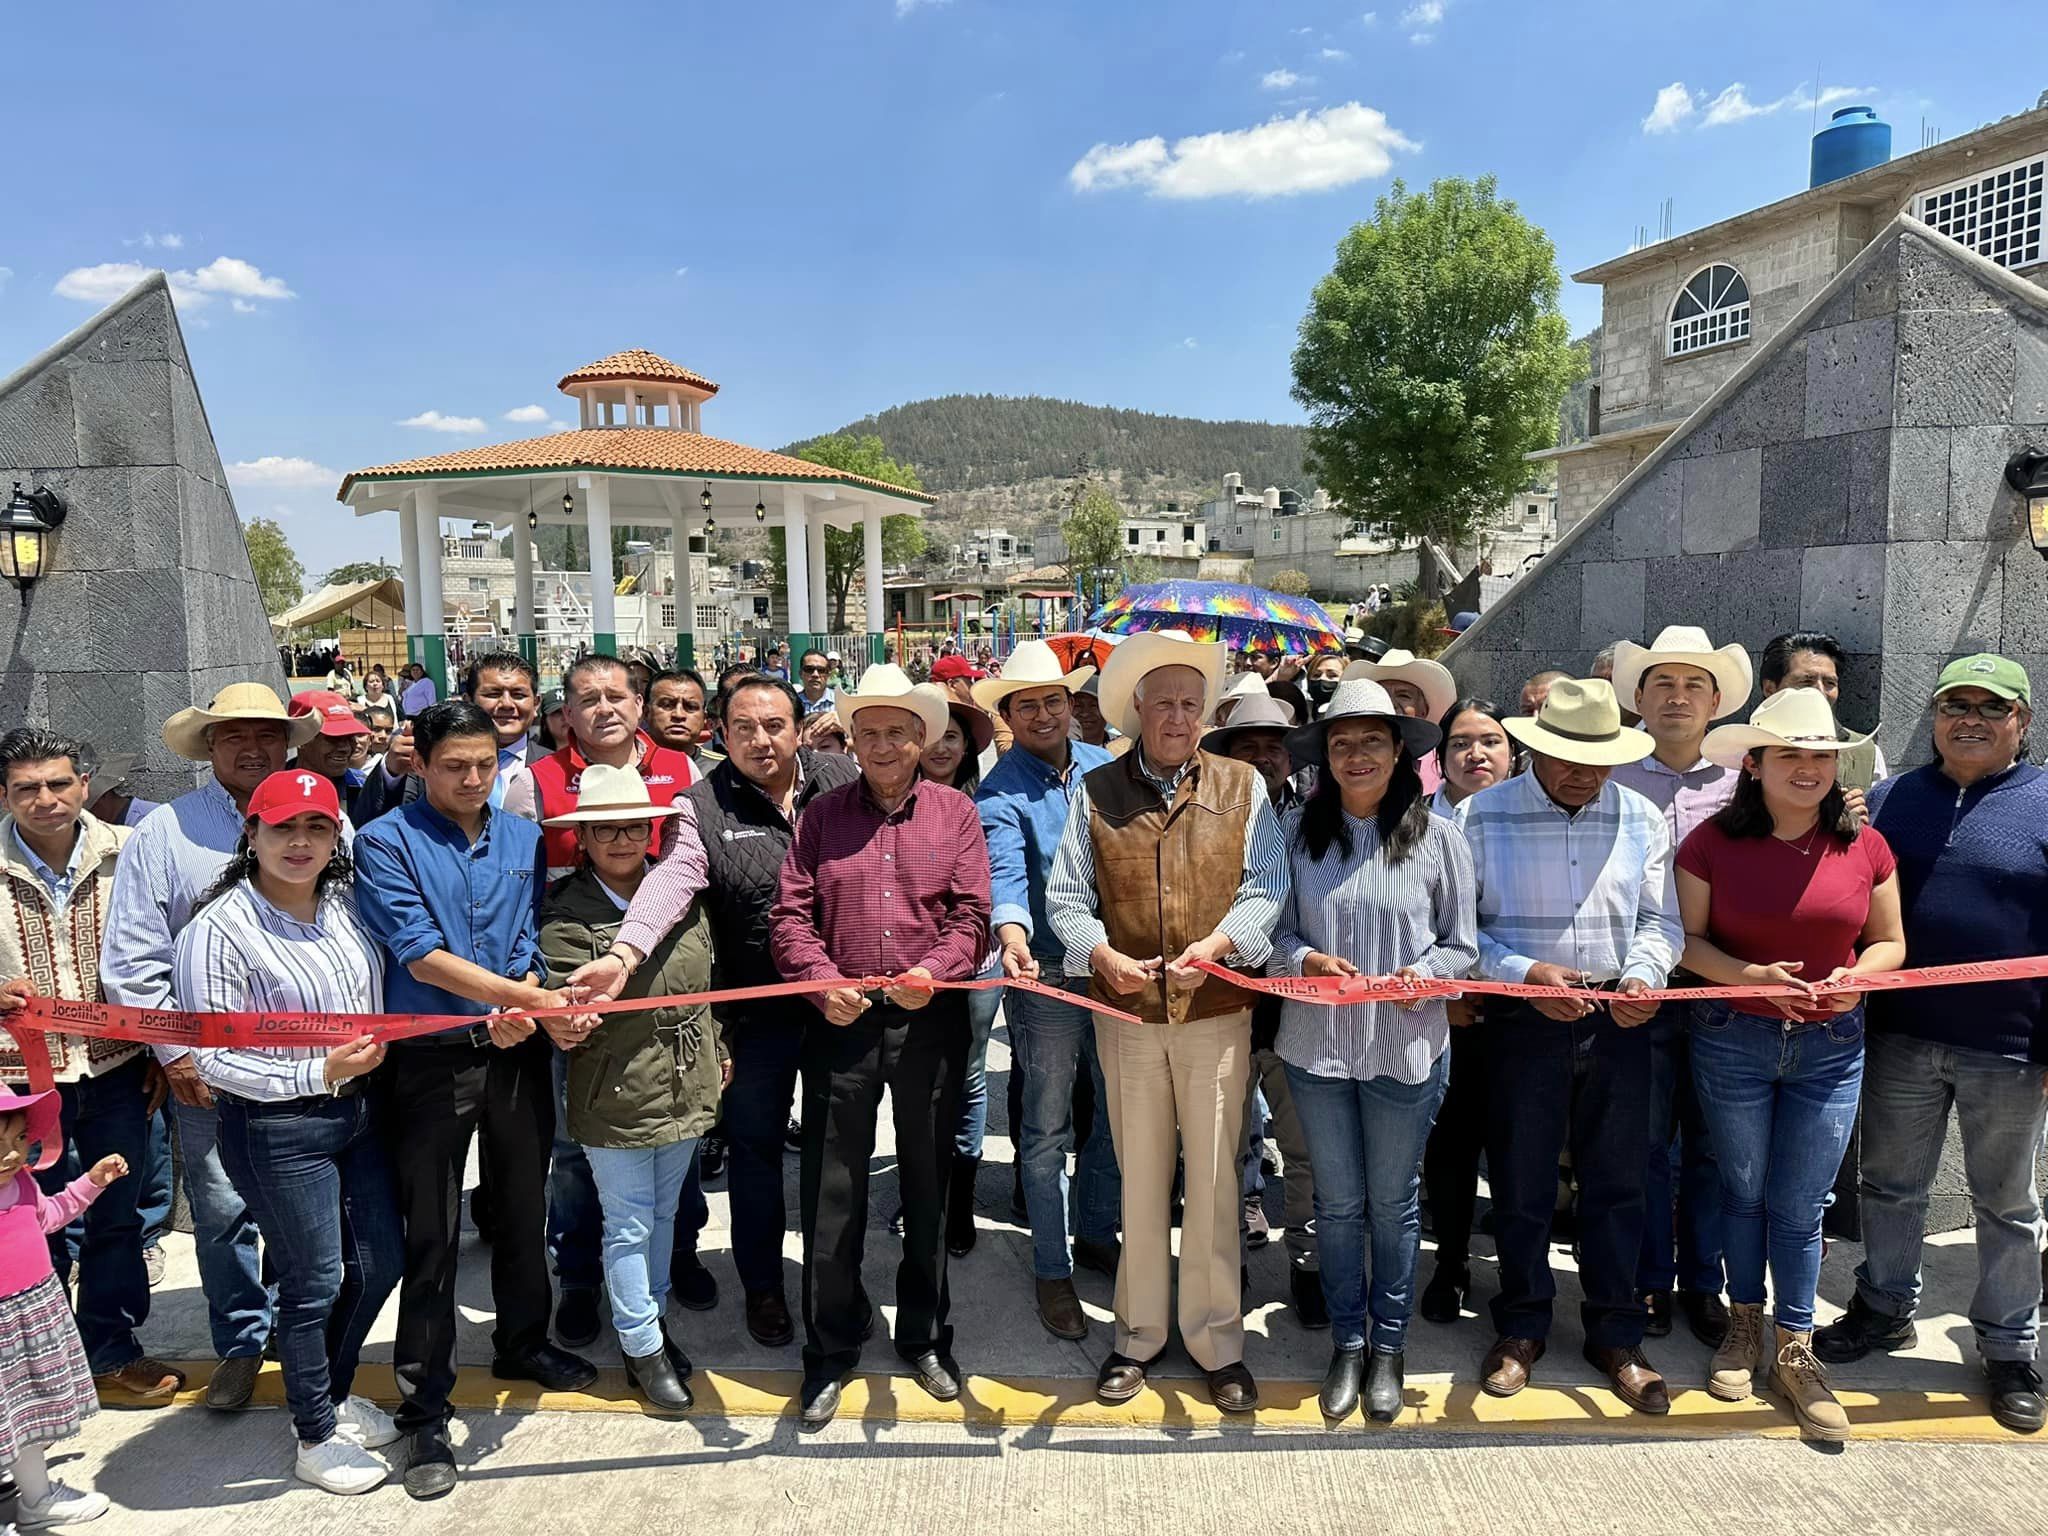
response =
{"points": [[639, 458]]}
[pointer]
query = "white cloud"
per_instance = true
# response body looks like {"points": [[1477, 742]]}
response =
{"points": [[101, 284], [227, 277], [905, 7], [1312, 151], [434, 421], [1672, 107], [1369, 19], [283, 472], [682, 271], [242, 306], [226, 274], [1189, 342], [527, 413], [150, 241], [1734, 106], [1279, 79], [1333, 55], [1421, 19]]}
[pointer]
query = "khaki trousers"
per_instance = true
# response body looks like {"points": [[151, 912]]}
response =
{"points": [[1178, 1087]]}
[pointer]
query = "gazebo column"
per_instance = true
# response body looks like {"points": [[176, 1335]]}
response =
{"points": [[821, 612], [409, 568], [430, 642], [796, 579], [871, 579], [524, 629], [597, 522], [685, 597]]}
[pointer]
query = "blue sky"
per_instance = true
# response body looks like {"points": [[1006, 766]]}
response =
{"points": [[426, 212]]}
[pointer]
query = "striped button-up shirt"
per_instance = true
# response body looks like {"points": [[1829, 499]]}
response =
{"points": [[1687, 798], [1590, 890], [1072, 905], [240, 954]]}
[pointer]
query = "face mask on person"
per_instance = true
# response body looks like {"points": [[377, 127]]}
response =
{"points": [[1321, 690]]}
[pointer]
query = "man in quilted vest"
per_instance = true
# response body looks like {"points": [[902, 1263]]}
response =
{"points": [[1171, 856]]}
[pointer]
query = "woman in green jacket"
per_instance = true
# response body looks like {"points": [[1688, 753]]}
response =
{"points": [[643, 1087]]}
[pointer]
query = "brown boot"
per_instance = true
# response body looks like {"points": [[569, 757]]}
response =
{"points": [[143, 1383], [1797, 1377], [1732, 1374]]}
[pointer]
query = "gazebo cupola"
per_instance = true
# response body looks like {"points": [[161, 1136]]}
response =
{"points": [[638, 388]]}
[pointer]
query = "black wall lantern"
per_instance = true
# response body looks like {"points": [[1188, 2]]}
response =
{"points": [[25, 529], [2027, 473]]}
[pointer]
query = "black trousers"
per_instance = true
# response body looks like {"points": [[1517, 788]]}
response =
{"points": [[1587, 1084], [766, 1053], [921, 1058], [1450, 1159], [439, 1095]]}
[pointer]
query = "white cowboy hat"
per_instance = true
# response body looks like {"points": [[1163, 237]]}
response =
{"points": [[1687, 646], [1360, 699], [1147, 652], [606, 793], [1034, 664], [185, 732], [1580, 722], [1246, 685], [1791, 717], [1260, 712], [886, 686], [1439, 688]]}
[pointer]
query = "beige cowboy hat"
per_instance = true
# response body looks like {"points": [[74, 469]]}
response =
{"points": [[1260, 712], [1687, 646], [1147, 652], [606, 793], [1439, 688], [185, 732], [886, 686], [1360, 699], [1246, 685], [1791, 717], [112, 768], [1034, 664], [1580, 722]]}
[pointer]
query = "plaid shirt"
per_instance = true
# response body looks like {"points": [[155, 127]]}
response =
{"points": [[1591, 891]]}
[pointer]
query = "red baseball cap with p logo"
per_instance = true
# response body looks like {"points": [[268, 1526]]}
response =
{"points": [[293, 792]]}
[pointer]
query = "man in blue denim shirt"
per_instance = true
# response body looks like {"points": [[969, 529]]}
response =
{"points": [[451, 888], [1024, 802]]}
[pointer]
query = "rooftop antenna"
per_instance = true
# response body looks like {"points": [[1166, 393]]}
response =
{"points": [[1816, 97]]}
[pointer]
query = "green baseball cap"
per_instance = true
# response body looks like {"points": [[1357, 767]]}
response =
{"points": [[1994, 674]]}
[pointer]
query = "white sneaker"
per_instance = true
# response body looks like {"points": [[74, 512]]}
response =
{"points": [[64, 1506], [339, 1466], [362, 1421]]}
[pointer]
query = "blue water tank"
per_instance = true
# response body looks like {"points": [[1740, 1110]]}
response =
{"points": [[1854, 140]]}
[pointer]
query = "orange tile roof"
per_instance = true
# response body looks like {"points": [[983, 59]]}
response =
{"points": [[647, 450], [636, 363]]}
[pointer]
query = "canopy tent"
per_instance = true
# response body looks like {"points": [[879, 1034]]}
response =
{"points": [[373, 604]]}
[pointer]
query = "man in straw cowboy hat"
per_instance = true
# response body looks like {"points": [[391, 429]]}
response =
{"points": [[1170, 856], [1023, 804], [1575, 890], [1420, 688], [1679, 684], [887, 876], [173, 858]]}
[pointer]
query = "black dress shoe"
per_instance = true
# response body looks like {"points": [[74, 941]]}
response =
{"points": [[1120, 1379], [768, 1319], [1706, 1314], [818, 1404], [1443, 1299], [1232, 1388], [937, 1373], [1383, 1377], [654, 1378], [692, 1284], [1860, 1330], [1102, 1257], [1657, 1321], [2016, 1395], [554, 1370], [429, 1464], [1341, 1383], [577, 1317], [1310, 1310]]}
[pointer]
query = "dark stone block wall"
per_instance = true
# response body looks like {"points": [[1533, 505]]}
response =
{"points": [[150, 604]]}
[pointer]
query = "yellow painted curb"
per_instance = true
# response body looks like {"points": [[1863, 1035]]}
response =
{"points": [[1183, 1403]]}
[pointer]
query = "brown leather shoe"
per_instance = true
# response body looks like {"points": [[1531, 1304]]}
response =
{"points": [[1636, 1381], [1505, 1371], [142, 1383], [1232, 1388], [1120, 1379], [1060, 1309]]}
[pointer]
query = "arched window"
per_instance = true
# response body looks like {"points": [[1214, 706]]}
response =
{"points": [[1711, 310]]}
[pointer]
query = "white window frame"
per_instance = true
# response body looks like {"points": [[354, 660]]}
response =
{"points": [[1976, 211], [1718, 325]]}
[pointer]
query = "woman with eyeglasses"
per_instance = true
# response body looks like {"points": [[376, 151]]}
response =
{"points": [[643, 1086]]}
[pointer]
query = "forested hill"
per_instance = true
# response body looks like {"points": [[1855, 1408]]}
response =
{"points": [[972, 442]]}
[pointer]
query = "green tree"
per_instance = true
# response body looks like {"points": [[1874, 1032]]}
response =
{"points": [[359, 571], [279, 576], [1432, 358], [902, 536], [1094, 534], [1289, 583]]}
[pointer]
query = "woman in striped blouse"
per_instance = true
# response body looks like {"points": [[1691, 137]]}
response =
{"points": [[298, 1138]]}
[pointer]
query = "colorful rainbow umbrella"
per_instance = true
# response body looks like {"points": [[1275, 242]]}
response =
{"points": [[1244, 618]]}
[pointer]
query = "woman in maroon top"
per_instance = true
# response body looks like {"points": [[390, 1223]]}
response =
{"points": [[1782, 888]]}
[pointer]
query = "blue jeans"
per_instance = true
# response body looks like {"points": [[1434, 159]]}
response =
{"points": [[1365, 1139], [981, 1020], [240, 1306], [1780, 1100], [1682, 1237], [1050, 1040], [639, 1188], [103, 1117], [315, 1173], [1909, 1086]]}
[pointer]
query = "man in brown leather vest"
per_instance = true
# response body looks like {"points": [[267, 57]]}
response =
{"points": [[1171, 856]]}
